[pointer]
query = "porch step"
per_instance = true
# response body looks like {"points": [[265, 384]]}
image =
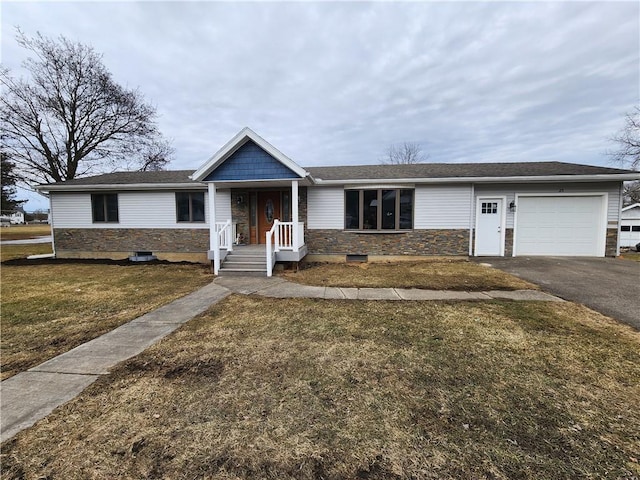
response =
{"points": [[238, 262]]}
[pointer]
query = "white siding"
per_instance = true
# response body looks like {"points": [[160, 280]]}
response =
{"points": [[135, 210], [223, 205], [325, 208], [510, 190], [71, 210], [442, 206]]}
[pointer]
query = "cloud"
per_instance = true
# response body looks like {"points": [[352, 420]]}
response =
{"points": [[336, 83]]}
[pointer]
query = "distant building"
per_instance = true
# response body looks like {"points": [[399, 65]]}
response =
{"points": [[17, 216]]}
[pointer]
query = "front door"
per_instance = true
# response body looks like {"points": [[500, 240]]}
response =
{"points": [[268, 210], [489, 227]]}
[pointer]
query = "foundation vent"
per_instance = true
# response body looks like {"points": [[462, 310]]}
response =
{"points": [[142, 257]]}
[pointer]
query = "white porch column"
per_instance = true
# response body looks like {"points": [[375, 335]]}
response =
{"points": [[294, 214], [212, 215]]}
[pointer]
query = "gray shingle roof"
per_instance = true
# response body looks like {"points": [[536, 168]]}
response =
{"points": [[129, 178], [465, 170], [374, 172]]}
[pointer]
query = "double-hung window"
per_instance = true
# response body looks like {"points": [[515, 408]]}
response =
{"points": [[190, 206], [104, 207], [379, 209]]}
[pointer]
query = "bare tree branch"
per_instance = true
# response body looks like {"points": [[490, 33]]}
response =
{"points": [[70, 118], [627, 153], [404, 154]]}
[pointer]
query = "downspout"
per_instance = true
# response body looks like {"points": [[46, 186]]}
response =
{"points": [[471, 220]]}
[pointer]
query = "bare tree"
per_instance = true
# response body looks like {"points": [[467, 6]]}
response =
{"points": [[404, 154], [631, 193], [70, 118], [628, 141], [628, 152]]}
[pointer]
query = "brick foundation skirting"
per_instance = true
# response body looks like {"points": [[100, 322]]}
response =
{"points": [[415, 242]]}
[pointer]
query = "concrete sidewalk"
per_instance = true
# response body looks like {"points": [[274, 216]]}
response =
{"points": [[280, 288], [30, 396]]}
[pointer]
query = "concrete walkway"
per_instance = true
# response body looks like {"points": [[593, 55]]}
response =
{"points": [[30, 396], [280, 288]]}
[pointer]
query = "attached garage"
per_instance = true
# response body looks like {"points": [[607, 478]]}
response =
{"points": [[560, 225]]}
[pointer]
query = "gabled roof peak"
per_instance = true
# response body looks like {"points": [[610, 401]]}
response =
{"points": [[242, 137]]}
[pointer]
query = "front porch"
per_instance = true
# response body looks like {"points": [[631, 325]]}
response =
{"points": [[264, 228], [262, 204]]}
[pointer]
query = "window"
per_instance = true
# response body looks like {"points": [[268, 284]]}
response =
{"points": [[104, 207], [380, 209], [489, 207], [635, 228], [625, 228], [190, 206]]}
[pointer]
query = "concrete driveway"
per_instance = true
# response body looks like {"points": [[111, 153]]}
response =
{"points": [[608, 285]]}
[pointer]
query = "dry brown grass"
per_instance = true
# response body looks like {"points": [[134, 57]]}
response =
{"points": [[347, 390], [11, 252], [21, 232], [49, 309], [436, 275], [634, 256]]}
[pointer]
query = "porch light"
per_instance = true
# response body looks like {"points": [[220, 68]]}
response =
{"points": [[240, 200], [512, 206]]}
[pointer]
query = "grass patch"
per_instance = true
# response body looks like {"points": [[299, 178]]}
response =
{"points": [[634, 256], [431, 275], [23, 232], [344, 389], [48, 309], [12, 252]]}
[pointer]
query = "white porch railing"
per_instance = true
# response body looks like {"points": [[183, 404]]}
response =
{"points": [[283, 236], [271, 247], [287, 236], [222, 240]]}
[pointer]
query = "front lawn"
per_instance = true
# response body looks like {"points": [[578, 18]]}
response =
{"points": [[440, 274], [315, 389], [50, 308]]}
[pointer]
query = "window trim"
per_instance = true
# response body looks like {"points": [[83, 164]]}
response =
{"points": [[190, 197], [105, 209], [379, 200]]}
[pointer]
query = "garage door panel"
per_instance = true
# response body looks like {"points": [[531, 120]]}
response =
{"points": [[560, 225]]}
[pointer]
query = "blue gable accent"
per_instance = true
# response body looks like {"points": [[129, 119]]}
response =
{"points": [[250, 162]]}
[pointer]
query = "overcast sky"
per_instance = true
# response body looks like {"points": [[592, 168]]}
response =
{"points": [[337, 83]]}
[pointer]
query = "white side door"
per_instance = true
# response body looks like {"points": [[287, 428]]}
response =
{"points": [[490, 228]]}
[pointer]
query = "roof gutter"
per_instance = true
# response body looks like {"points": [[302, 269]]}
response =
{"points": [[543, 178]]}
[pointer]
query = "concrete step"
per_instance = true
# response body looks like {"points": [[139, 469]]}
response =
{"points": [[245, 265], [251, 272], [246, 258]]}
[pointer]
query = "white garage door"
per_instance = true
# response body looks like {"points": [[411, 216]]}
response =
{"points": [[560, 225]]}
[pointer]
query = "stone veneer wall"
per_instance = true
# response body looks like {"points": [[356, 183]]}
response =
{"points": [[508, 242], [176, 240], [611, 242], [240, 212], [415, 242]]}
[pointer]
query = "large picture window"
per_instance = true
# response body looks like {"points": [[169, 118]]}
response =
{"points": [[190, 206], [104, 207], [379, 209]]}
